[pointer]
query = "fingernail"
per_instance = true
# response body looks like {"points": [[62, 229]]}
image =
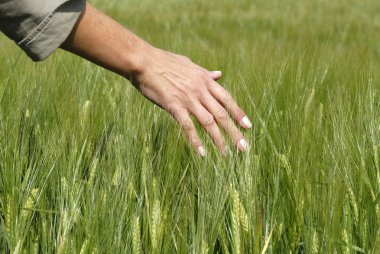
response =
{"points": [[217, 72], [246, 122], [243, 144], [201, 151], [215, 75]]}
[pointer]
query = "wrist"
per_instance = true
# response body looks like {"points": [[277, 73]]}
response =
{"points": [[134, 59]]}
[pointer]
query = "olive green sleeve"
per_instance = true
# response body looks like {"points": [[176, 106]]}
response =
{"points": [[39, 27]]}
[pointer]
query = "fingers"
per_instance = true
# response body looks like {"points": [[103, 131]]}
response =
{"points": [[223, 119], [212, 109], [184, 120], [206, 119], [229, 103]]}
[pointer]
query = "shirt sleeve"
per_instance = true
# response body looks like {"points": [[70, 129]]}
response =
{"points": [[39, 27]]}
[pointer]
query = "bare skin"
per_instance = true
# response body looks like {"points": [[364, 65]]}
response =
{"points": [[171, 81]]}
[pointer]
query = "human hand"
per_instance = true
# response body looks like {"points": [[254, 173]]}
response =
{"points": [[183, 88], [171, 81]]}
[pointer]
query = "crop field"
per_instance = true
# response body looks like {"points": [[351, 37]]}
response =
{"points": [[88, 165]]}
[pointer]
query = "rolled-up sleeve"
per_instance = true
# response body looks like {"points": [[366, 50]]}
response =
{"points": [[39, 27]]}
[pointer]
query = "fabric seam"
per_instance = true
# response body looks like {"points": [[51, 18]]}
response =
{"points": [[37, 31]]}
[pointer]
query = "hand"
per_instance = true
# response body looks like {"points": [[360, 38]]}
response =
{"points": [[183, 88], [171, 81]]}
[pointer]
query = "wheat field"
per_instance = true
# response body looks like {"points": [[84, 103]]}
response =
{"points": [[87, 165]]}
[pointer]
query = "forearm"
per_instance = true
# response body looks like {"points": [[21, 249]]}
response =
{"points": [[121, 51], [171, 81]]}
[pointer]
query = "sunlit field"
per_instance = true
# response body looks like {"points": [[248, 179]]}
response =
{"points": [[88, 165]]}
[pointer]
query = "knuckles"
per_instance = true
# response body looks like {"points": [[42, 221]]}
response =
{"points": [[226, 99], [194, 140], [208, 121], [222, 115], [172, 107], [187, 125]]}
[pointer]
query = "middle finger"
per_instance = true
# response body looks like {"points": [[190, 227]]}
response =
{"points": [[224, 120]]}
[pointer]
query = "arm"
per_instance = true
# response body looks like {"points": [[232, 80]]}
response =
{"points": [[171, 81]]}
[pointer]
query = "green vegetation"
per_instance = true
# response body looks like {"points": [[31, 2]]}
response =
{"points": [[87, 165]]}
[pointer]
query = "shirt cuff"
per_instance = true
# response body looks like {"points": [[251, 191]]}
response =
{"points": [[52, 31]]}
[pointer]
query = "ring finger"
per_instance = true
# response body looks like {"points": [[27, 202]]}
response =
{"points": [[207, 121]]}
